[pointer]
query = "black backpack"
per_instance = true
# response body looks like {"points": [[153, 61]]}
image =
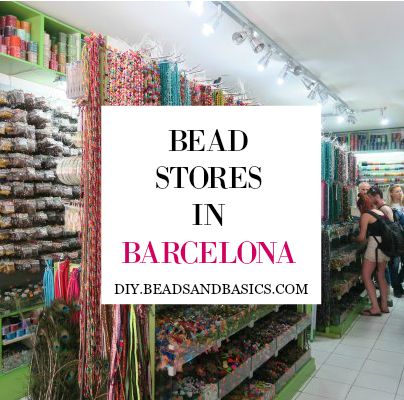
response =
{"points": [[392, 243]]}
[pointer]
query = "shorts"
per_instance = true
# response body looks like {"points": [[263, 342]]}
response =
{"points": [[370, 253]]}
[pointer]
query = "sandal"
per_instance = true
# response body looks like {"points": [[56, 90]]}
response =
{"points": [[368, 313], [386, 311]]}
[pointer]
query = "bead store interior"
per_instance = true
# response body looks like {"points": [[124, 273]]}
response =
{"points": [[59, 63]]}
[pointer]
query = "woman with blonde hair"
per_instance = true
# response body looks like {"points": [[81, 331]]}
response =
{"points": [[397, 275], [396, 197]]}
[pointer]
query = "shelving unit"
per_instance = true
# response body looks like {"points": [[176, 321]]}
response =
{"points": [[341, 266], [374, 140], [224, 386], [40, 23], [13, 383]]}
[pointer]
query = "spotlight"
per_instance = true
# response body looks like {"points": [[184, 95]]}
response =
{"points": [[264, 61], [322, 94], [313, 92], [239, 37], [351, 119], [340, 108], [297, 70], [308, 83], [383, 119], [256, 44], [196, 6], [209, 28], [283, 74], [340, 119]]}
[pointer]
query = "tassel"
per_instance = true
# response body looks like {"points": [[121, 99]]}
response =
{"points": [[73, 292], [48, 284]]}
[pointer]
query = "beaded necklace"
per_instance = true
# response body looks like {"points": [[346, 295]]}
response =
{"points": [[165, 82], [151, 84], [185, 91], [125, 78], [91, 343], [218, 97]]}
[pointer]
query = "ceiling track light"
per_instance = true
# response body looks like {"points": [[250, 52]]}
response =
{"points": [[196, 6], [283, 74], [297, 69], [383, 119], [210, 27], [256, 44], [308, 83], [313, 92], [264, 61], [240, 37], [322, 94], [351, 119]]}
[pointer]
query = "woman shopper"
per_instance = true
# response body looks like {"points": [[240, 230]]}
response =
{"points": [[372, 227], [397, 275]]}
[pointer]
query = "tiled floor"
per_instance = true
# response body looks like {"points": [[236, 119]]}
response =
{"points": [[366, 364]]}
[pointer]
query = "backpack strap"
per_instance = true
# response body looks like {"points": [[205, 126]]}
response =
{"points": [[373, 214], [384, 205]]}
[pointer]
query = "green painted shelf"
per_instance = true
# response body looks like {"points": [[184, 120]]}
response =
{"points": [[22, 69], [297, 381], [14, 384], [40, 23], [337, 331]]}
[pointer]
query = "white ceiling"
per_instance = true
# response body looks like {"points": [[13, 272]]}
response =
{"points": [[355, 48]]}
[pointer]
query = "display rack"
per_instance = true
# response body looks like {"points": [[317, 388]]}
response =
{"points": [[40, 23], [14, 381], [256, 360], [341, 266], [373, 140]]}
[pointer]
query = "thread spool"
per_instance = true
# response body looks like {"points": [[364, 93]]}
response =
{"points": [[15, 41], [62, 37], [10, 30], [14, 51], [62, 47], [26, 26], [68, 170], [21, 34], [32, 46], [32, 57], [10, 20], [53, 64]]}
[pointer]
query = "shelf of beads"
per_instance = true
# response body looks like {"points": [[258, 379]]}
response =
{"points": [[237, 359], [180, 339]]}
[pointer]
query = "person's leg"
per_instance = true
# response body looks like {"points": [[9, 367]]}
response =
{"points": [[400, 279], [394, 266], [383, 286], [367, 269], [388, 272]]}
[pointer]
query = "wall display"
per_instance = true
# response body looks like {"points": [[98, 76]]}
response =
{"points": [[15, 39], [378, 140], [341, 260], [381, 173], [222, 368], [33, 137], [121, 334]]}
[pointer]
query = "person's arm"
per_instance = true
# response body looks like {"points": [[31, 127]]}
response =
{"points": [[363, 227]]}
